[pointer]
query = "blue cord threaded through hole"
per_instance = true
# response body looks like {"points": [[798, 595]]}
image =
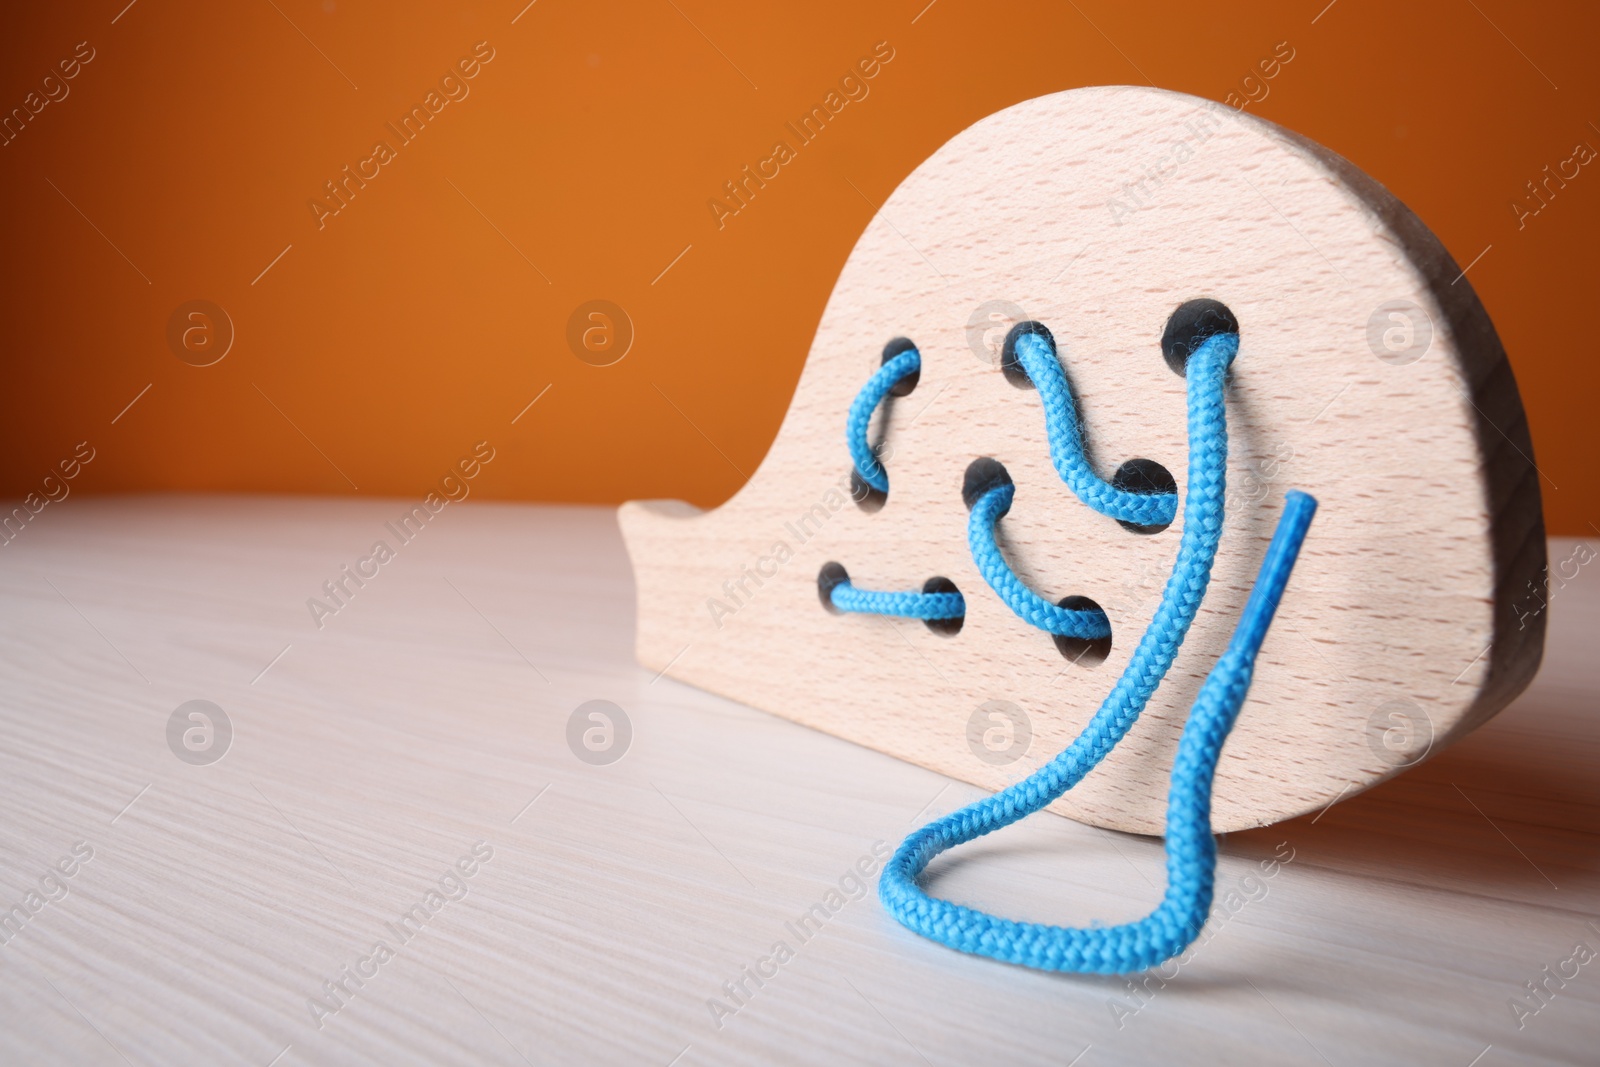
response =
{"points": [[904, 605], [860, 417], [1029, 606], [1191, 852]]}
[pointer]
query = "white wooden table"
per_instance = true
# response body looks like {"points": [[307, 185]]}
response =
{"points": [[430, 714]]}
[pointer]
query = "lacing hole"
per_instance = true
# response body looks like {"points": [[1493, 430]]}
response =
{"points": [[831, 574], [867, 498], [982, 475], [1189, 327], [1010, 365], [1144, 476], [1082, 651], [894, 348], [947, 627]]}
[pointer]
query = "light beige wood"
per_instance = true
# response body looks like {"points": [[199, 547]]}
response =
{"points": [[1098, 212], [378, 749]]}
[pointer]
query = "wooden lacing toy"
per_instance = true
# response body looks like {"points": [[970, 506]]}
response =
{"points": [[1071, 310]]}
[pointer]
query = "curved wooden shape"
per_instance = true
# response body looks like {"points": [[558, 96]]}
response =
{"points": [[1368, 375]]}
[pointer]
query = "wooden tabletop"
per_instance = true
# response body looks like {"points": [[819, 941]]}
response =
{"points": [[386, 838]]}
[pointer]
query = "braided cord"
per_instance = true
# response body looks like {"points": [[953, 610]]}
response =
{"points": [[1062, 948], [1038, 358], [861, 409], [913, 605], [844, 596], [1029, 606], [1191, 850]]}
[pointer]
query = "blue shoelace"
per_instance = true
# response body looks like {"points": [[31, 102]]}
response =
{"points": [[1190, 848]]}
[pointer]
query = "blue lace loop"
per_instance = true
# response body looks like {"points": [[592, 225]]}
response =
{"points": [[1191, 853], [917, 605], [1030, 607], [866, 402], [1038, 358]]}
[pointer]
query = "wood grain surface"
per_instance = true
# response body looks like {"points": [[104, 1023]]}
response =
{"points": [[430, 716], [1368, 375]]}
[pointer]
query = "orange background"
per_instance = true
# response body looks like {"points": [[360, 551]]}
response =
{"points": [[419, 320]]}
